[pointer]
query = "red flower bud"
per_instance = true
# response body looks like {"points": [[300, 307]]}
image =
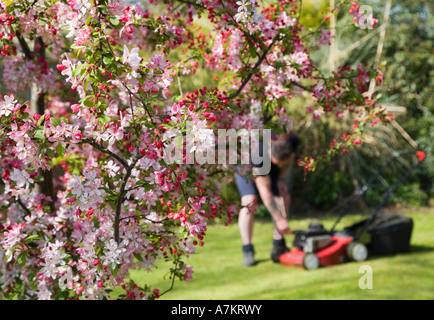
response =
{"points": [[129, 29], [61, 67], [420, 155]]}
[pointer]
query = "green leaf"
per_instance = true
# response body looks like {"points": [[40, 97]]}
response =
{"points": [[61, 150], [33, 237], [141, 182], [109, 191], [107, 60], [69, 195], [114, 21], [22, 258], [50, 153], [138, 257], [112, 68], [105, 119], [88, 103], [115, 270], [252, 51], [112, 198], [41, 119], [77, 70], [38, 179], [39, 135], [55, 121]]}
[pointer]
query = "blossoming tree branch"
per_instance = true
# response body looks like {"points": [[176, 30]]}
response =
{"points": [[86, 195]]}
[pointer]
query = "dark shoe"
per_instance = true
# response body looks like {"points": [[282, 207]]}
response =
{"points": [[248, 255], [279, 248]]}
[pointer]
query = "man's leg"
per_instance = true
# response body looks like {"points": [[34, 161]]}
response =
{"points": [[246, 218]]}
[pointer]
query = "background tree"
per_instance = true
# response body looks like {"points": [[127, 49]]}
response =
{"points": [[405, 90]]}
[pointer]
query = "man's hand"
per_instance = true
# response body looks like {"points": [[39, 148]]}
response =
{"points": [[263, 183], [282, 225]]}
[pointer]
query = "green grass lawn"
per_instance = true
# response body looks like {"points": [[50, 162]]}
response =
{"points": [[219, 273]]}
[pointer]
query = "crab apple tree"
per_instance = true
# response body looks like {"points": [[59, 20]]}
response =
{"points": [[86, 192]]}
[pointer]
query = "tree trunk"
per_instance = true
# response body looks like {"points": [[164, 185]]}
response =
{"points": [[37, 105]]}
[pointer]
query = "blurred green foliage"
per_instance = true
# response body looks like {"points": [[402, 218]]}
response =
{"points": [[408, 63]]}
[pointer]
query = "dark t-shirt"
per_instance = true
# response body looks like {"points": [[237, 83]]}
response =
{"points": [[274, 170], [246, 186]]}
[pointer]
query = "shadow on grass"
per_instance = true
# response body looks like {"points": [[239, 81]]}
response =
{"points": [[261, 261], [420, 249], [414, 249]]}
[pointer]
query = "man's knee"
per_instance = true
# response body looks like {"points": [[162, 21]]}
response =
{"points": [[249, 200]]}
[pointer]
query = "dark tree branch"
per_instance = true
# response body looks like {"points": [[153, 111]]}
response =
{"points": [[301, 86], [257, 64], [121, 198], [23, 206], [18, 200], [119, 204], [249, 40], [99, 147], [144, 217], [38, 105], [24, 46], [173, 280]]}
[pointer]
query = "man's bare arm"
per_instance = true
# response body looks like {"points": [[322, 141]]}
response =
{"points": [[263, 184]]}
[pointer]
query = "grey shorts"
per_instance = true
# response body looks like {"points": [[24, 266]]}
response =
{"points": [[246, 186]]}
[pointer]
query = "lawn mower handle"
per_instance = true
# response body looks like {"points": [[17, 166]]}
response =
{"points": [[362, 191]]}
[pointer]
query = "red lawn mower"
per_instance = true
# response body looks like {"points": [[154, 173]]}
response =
{"points": [[386, 233]]}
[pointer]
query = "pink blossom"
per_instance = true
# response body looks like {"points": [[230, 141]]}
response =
{"points": [[75, 107], [7, 106], [131, 58]]}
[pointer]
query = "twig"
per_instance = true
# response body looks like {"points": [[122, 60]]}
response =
{"points": [[119, 204], [333, 45], [173, 280], [179, 83], [249, 76], [94, 144], [144, 217], [302, 87], [121, 198], [23, 206], [299, 11], [380, 46], [18, 200]]}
